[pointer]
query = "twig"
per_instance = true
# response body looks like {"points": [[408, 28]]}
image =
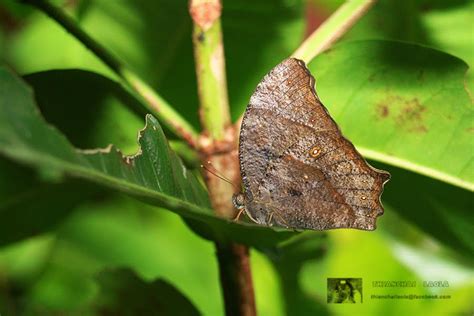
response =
{"points": [[153, 102], [218, 145], [332, 29], [210, 66]]}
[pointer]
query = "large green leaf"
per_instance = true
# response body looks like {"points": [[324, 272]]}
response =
{"points": [[155, 174], [106, 106], [406, 106], [402, 104], [68, 108]]}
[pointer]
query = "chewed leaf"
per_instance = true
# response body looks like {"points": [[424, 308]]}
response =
{"points": [[155, 174], [155, 167]]}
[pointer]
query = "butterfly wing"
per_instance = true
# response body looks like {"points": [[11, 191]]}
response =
{"points": [[297, 168]]}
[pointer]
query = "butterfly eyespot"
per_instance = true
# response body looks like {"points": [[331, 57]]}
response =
{"points": [[314, 152]]}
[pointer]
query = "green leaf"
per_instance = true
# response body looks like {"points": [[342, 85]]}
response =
{"points": [[440, 210], [401, 104], [25, 135], [86, 106], [155, 175], [68, 108], [405, 106], [122, 292]]}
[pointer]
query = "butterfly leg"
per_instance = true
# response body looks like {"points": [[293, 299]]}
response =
{"points": [[285, 223], [269, 221], [236, 219], [270, 218]]}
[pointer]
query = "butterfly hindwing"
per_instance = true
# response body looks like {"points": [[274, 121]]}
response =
{"points": [[297, 168]]}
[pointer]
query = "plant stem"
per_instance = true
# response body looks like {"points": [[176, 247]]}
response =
{"points": [[153, 102], [210, 67], [236, 279], [332, 29], [218, 146], [161, 109]]}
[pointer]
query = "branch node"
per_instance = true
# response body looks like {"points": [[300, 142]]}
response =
{"points": [[205, 12]]}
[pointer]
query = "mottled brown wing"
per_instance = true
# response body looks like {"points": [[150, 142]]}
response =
{"points": [[297, 169]]}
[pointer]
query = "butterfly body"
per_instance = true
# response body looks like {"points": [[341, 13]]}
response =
{"points": [[297, 169]]}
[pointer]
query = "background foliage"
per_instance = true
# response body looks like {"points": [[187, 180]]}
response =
{"points": [[404, 99]]}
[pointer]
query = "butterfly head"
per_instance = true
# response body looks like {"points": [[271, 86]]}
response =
{"points": [[238, 200]]}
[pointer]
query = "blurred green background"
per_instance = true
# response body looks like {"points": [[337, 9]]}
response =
{"points": [[51, 254]]}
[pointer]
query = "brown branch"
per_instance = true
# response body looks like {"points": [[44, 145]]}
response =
{"points": [[236, 279]]}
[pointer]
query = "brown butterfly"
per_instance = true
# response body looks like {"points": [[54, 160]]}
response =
{"points": [[297, 169]]}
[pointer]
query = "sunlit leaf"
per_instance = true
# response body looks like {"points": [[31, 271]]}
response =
{"points": [[406, 106]]}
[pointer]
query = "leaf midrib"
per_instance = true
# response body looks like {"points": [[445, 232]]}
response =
{"points": [[411, 166]]}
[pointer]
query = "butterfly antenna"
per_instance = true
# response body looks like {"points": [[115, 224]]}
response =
{"points": [[217, 174]]}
